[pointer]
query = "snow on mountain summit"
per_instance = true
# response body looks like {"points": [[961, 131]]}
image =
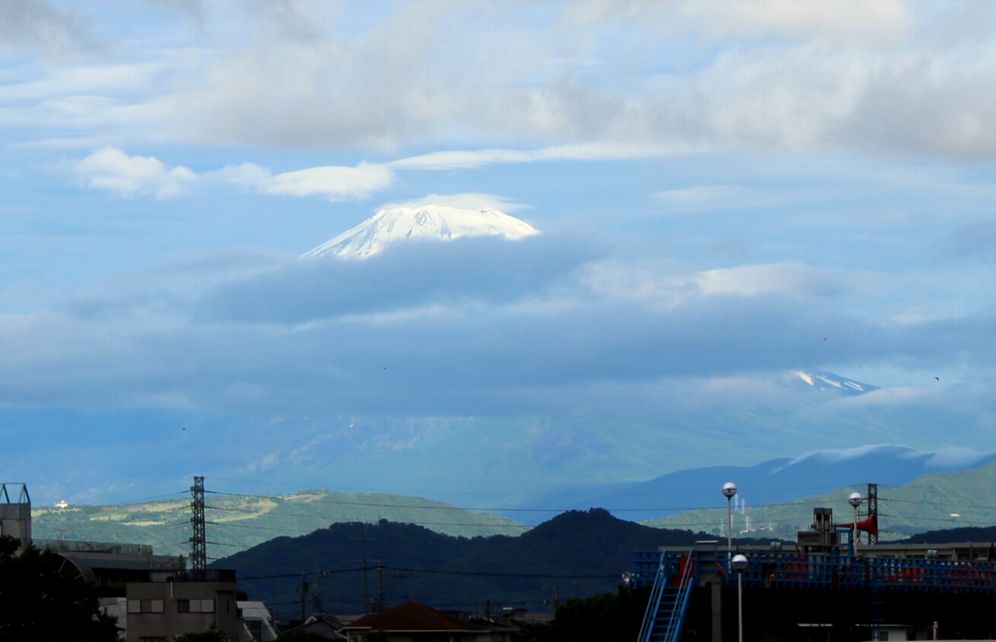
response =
{"points": [[821, 380], [429, 222]]}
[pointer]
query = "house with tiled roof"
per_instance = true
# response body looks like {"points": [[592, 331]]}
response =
{"points": [[414, 622]]}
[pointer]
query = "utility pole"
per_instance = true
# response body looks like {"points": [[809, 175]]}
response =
{"points": [[380, 589], [304, 594], [366, 564], [198, 540]]}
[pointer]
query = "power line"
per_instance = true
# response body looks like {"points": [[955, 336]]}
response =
{"points": [[504, 509], [312, 515], [433, 571]]}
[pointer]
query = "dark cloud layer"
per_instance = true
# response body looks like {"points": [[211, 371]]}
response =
{"points": [[503, 345], [38, 24], [475, 358], [473, 270]]}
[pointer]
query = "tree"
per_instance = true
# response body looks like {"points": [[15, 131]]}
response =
{"points": [[607, 616], [299, 636], [207, 636], [40, 602]]}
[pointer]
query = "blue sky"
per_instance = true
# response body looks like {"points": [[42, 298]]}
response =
{"points": [[727, 192]]}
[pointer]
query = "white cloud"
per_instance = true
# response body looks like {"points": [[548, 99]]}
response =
{"points": [[704, 198], [848, 19], [844, 454], [84, 80], [336, 183], [795, 279], [244, 174], [464, 159], [598, 80], [955, 457], [653, 283], [111, 170], [659, 283], [38, 24], [469, 200]]}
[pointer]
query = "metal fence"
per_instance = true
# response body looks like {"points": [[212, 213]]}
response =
{"points": [[791, 570]]}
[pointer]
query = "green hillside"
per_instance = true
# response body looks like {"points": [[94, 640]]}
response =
{"points": [[576, 554], [237, 522], [927, 503]]}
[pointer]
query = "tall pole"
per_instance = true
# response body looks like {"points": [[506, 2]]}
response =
{"points": [[856, 528], [740, 565], [740, 606], [729, 490], [854, 499], [380, 589], [304, 595]]}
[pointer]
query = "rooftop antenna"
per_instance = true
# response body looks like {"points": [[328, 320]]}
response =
{"points": [[198, 539]]}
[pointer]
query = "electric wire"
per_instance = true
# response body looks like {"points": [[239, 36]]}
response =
{"points": [[432, 571], [502, 509]]}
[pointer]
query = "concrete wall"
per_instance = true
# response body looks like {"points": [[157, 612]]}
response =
{"points": [[15, 521], [167, 609]]}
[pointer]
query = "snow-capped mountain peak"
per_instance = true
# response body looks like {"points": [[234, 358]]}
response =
{"points": [[428, 222], [821, 380]]}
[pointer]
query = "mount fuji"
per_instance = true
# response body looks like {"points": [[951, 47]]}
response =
{"points": [[426, 222]]}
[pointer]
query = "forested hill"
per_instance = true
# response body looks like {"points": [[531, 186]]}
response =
{"points": [[981, 534], [575, 554], [237, 522]]}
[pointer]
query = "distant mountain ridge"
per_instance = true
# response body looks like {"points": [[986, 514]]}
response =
{"points": [[779, 480], [241, 521], [686, 498], [929, 502], [426, 222]]}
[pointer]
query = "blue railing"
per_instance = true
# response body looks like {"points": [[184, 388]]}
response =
{"points": [[783, 569], [670, 591], [654, 601], [685, 583]]}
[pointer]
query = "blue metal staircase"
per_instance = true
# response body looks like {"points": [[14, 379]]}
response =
{"points": [[668, 602]]}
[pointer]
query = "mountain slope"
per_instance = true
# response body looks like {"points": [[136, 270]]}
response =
{"points": [[574, 554], [929, 502], [237, 522], [777, 480], [428, 222], [830, 381]]}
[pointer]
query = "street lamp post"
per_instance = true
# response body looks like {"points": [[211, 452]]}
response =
{"points": [[740, 565], [729, 490], [854, 499]]}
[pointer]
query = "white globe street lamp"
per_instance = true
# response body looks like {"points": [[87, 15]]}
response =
{"points": [[740, 565], [855, 499]]}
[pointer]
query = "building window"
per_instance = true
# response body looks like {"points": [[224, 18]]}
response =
{"points": [[146, 606], [195, 606]]}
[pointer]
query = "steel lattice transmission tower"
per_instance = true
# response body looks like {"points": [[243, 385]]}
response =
{"points": [[872, 499], [198, 540]]}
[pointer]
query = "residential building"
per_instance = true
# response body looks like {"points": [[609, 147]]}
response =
{"points": [[172, 604], [414, 622]]}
